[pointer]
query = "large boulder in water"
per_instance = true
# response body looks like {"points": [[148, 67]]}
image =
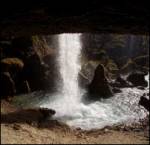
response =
{"points": [[99, 87], [144, 102], [120, 82], [7, 85], [137, 79]]}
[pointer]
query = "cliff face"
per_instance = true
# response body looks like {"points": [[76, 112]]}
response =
{"points": [[94, 16]]}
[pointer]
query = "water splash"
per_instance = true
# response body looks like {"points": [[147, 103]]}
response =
{"points": [[121, 108]]}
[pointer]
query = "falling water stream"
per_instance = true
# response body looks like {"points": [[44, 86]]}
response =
{"points": [[121, 108], [69, 94]]}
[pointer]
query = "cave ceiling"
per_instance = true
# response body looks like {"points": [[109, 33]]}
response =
{"points": [[60, 16]]}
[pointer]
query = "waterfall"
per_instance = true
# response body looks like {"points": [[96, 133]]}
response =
{"points": [[69, 64], [66, 101], [121, 108]]}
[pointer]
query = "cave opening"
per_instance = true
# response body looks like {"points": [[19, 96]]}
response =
{"points": [[91, 80]]}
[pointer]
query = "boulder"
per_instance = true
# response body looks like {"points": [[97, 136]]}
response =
{"points": [[7, 85], [116, 90], [99, 87], [137, 79], [121, 82], [144, 102]]}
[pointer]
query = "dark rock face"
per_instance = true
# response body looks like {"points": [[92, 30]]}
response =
{"points": [[144, 102], [47, 112], [137, 79], [26, 68], [34, 72], [99, 87], [23, 87], [33, 76], [142, 60], [52, 75], [7, 85]]}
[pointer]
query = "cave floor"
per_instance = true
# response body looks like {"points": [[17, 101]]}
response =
{"points": [[23, 133]]}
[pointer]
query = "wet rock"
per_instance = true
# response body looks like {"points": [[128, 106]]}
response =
{"points": [[137, 79], [7, 85], [99, 87], [144, 102], [47, 112], [116, 90]]}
